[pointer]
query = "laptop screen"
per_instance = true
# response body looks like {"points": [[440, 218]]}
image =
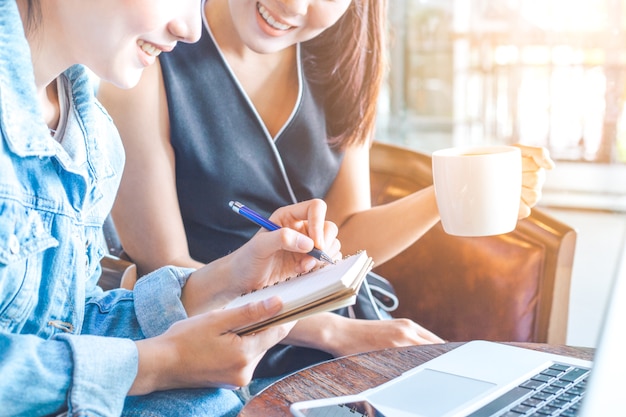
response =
{"points": [[604, 395]]}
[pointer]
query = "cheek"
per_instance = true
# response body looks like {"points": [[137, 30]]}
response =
{"points": [[325, 16], [144, 16]]}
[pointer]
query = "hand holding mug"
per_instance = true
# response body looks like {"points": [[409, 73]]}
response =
{"points": [[484, 190], [535, 160]]}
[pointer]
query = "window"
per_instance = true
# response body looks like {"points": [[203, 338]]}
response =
{"points": [[539, 72]]}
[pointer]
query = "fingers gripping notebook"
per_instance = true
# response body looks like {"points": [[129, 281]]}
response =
{"points": [[322, 289]]}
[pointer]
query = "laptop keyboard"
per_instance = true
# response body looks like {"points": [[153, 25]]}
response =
{"points": [[555, 391]]}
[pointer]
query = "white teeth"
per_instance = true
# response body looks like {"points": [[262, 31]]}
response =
{"points": [[270, 20], [148, 48]]}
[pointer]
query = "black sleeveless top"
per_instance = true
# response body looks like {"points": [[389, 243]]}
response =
{"points": [[223, 151]]}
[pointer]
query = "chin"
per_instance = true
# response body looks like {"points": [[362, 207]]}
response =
{"points": [[271, 46], [127, 80]]}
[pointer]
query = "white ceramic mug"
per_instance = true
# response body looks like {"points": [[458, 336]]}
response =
{"points": [[478, 189]]}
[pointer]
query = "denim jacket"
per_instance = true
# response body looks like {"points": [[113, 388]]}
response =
{"points": [[65, 345]]}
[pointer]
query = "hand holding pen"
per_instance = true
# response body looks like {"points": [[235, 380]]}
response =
{"points": [[261, 221]]}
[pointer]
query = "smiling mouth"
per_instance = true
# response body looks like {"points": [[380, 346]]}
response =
{"points": [[149, 48], [269, 19]]}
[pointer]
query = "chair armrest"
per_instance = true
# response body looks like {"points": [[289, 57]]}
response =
{"points": [[117, 273]]}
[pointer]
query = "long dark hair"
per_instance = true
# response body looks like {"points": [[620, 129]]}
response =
{"points": [[346, 63]]}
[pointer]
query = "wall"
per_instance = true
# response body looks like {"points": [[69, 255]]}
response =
{"points": [[592, 199]]}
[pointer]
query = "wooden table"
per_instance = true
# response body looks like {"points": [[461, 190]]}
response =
{"points": [[353, 374]]}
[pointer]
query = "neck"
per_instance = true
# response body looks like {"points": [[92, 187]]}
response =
{"points": [[220, 21], [46, 47], [46, 63]]}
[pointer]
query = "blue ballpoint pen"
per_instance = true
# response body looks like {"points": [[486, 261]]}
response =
{"points": [[256, 218]]}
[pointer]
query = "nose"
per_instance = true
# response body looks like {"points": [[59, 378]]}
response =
{"points": [[187, 26]]}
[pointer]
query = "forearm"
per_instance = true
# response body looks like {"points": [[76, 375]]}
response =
{"points": [[321, 331], [386, 230], [342, 336]]}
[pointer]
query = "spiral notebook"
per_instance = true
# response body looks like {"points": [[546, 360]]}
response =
{"points": [[325, 288]]}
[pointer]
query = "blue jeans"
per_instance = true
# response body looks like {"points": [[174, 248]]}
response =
{"points": [[184, 402], [253, 388]]}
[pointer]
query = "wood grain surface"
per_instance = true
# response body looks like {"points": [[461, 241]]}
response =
{"points": [[353, 374]]}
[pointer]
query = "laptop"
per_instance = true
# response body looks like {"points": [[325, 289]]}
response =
{"points": [[482, 378]]}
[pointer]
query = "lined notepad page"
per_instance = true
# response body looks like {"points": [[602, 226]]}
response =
{"points": [[311, 286]]}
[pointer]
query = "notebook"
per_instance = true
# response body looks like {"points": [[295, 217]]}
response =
{"points": [[473, 379], [325, 288]]}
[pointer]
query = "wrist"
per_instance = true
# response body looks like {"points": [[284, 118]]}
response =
{"points": [[208, 288], [324, 331], [156, 366], [336, 333]]}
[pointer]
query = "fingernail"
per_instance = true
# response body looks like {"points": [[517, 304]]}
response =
{"points": [[303, 242]]}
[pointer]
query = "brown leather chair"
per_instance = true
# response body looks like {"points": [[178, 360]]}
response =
{"points": [[117, 269], [512, 287], [117, 273]]}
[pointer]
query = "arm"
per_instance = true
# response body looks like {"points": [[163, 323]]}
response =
{"points": [[202, 351], [94, 371], [342, 336], [386, 230], [152, 238], [175, 351]]}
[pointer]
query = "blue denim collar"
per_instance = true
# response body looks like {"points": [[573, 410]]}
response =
{"points": [[21, 118]]}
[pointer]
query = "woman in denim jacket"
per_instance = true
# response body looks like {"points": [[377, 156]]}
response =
{"points": [[65, 345]]}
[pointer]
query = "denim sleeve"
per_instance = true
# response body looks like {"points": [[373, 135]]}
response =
{"points": [[87, 375], [147, 311], [104, 368], [157, 299]]}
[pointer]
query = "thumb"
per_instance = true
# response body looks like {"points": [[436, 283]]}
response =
{"points": [[251, 313], [266, 244]]}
